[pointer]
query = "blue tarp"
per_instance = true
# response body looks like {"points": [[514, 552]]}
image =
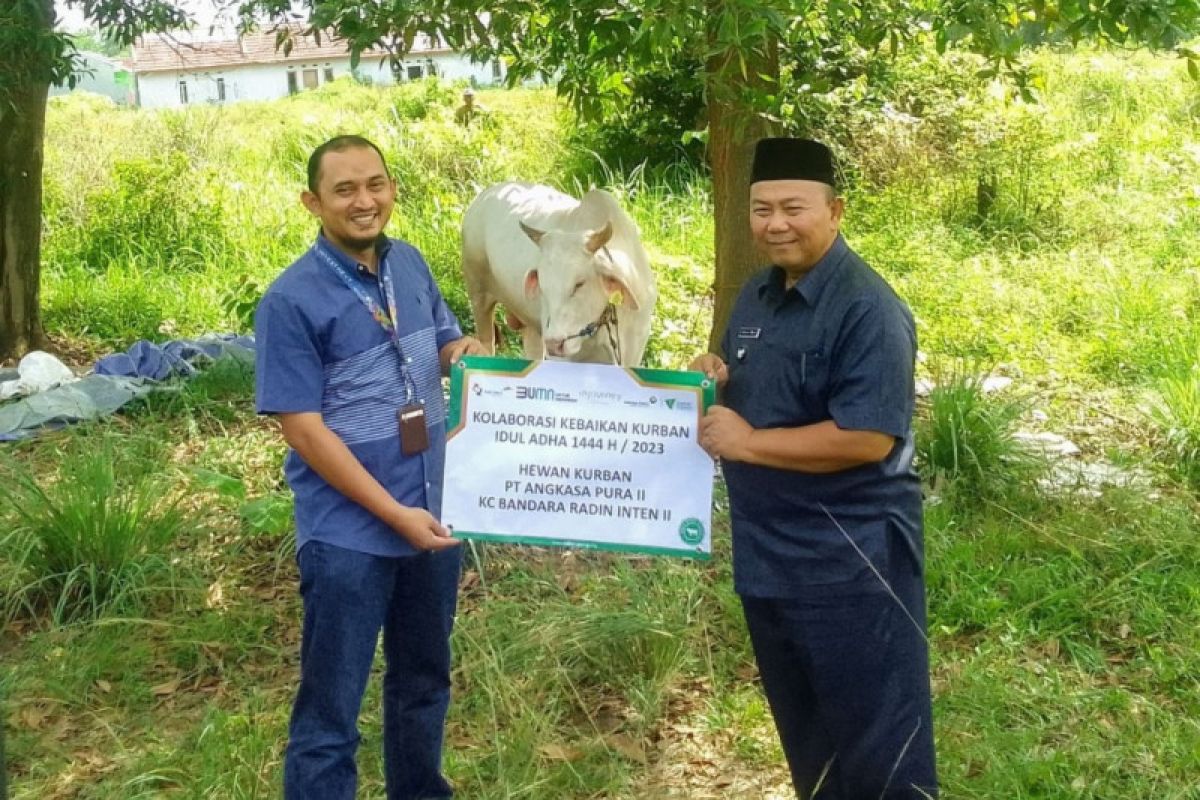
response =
{"points": [[117, 379], [148, 360]]}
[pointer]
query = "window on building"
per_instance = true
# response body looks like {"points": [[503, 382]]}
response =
{"points": [[414, 72], [310, 78], [328, 73], [430, 67], [497, 70], [220, 90], [183, 94], [293, 87]]}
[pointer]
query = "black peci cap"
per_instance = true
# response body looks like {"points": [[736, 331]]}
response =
{"points": [[787, 159]]}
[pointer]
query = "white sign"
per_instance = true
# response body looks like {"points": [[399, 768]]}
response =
{"points": [[558, 453]]}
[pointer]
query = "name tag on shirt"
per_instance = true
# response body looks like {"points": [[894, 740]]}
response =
{"points": [[749, 333]]}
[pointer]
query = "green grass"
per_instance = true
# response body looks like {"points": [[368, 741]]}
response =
{"points": [[965, 438], [1063, 626], [91, 542]]}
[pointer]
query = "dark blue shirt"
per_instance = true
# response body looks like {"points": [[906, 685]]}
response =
{"points": [[319, 350], [839, 345]]}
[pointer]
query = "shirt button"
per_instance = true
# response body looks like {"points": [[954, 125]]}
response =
{"points": [[428, 485], [408, 359]]}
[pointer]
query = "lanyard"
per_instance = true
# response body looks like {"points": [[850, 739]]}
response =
{"points": [[385, 319]]}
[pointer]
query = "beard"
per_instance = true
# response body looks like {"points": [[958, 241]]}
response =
{"points": [[361, 242]]}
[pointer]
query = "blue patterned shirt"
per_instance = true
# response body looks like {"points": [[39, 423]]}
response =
{"points": [[319, 350]]}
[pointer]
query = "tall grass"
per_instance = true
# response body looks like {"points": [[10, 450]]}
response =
{"points": [[89, 541], [965, 437], [1177, 415]]}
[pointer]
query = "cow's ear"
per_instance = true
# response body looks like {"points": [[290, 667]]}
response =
{"points": [[533, 233], [598, 239], [613, 285], [531, 283]]}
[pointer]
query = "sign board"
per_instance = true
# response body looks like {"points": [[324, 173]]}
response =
{"points": [[581, 455]]}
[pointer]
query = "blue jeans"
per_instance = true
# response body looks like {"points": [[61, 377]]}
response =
{"points": [[348, 597]]}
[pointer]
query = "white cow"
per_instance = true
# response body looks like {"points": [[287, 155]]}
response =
{"points": [[555, 263]]}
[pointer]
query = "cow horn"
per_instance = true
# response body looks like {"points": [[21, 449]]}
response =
{"points": [[533, 233]]}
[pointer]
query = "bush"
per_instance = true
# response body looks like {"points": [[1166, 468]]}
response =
{"points": [[160, 212], [965, 437], [662, 106], [89, 542], [1177, 415]]}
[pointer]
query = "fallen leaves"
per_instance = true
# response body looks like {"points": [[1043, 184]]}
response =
{"points": [[627, 746], [553, 751]]}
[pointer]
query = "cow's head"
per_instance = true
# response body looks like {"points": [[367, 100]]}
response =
{"points": [[573, 281]]}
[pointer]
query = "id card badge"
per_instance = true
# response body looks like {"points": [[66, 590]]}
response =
{"points": [[414, 436]]}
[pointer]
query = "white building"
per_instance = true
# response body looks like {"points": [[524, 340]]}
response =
{"points": [[171, 72], [101, 75]]}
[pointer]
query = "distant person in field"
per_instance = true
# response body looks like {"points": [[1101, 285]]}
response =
{"points": [[352, 340], [470, 111], [814, 433]]}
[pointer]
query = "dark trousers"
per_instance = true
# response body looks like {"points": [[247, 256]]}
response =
{"points": [[348, 598], [847, 680]]}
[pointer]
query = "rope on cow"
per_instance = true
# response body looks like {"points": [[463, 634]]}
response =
{"points": [[608, 321]]}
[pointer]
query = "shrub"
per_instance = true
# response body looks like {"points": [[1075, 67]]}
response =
{"points": [[649, 126], [119, 306], [966, 437], [1177, 415], [90, 542], [160, 212]]}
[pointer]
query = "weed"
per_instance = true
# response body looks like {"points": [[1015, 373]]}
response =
{"points": [[92, 542], [965, 437], [1177, 415]]}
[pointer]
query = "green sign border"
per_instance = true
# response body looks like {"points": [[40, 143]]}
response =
{"points": [[519, 366]]}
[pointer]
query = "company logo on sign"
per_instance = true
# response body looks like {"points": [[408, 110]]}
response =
{"points": [[534, 393], [691, 531]]}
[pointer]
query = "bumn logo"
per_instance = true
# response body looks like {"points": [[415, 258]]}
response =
{"points": [[534, 393]]}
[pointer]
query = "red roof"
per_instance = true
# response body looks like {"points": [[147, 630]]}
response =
{"points": [[163, 52]]}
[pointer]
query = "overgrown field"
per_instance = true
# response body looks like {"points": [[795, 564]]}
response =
{"points": [[148, 611]]}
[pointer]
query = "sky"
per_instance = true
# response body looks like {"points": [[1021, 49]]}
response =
{"points": [[72, 19]]}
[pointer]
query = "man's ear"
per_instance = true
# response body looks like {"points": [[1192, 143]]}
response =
{"points": [[837, 207], [311, 202]]}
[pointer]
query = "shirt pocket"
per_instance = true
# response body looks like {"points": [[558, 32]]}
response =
{"points": [[807, 380], [416, 313]]}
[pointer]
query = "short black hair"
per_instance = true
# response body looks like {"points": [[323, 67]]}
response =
{"points": [[339, 144]]}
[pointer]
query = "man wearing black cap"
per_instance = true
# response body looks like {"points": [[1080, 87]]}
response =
{"points": [[815, 439]]}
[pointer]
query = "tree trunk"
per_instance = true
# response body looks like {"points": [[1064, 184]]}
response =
{"points": [[734, 126], [22, 129], [3, 769]]}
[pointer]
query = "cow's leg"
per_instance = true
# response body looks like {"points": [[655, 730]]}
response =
{"points": [[483, 308], [532, 338]]}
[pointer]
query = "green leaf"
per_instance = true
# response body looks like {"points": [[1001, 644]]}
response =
{"points": [[270, 513], [224, 485]]}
